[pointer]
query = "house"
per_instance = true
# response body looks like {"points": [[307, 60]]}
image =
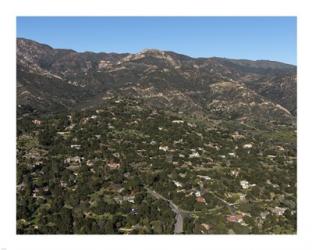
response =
{"points": [[153, 142], [99, 111], [280, 148], [117, 155], [134, 211], [126, 230], [63, 184], [247, 146], [205, 226], [237, 136], [89, 163], [85, 120], [73, 162], [178, 141], [70, 127], [37, 122], [75, 146], [279, 211], [111, 126], [207, 178], [113, 165], [200, 199], [263, 215], [197, 194], [37, 164], [245, 184], [178, 121], [242, 197], [192, 125], [63, 133], [232, 154], [194, 155], [129, 198], [73, 167], [235, 218], [164, 148], [20, 187], [182, 175], [35, 192], [178, 184], [271, 156], [75, 159], [235, 172]]}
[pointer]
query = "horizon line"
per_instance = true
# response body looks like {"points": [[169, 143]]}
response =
{"points": [[144, 49]]}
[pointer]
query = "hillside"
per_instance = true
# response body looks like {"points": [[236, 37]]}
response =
{"points": [[57, 79], [153, 143]]}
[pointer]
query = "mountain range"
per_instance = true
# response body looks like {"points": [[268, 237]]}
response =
{"points": [[55, 80]]}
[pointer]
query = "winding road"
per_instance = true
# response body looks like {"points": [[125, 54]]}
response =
{"points": [[180, 213], [178, 227]]}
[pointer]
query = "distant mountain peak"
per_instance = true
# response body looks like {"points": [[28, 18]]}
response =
{"points": [[70, 78], [152, 51]]}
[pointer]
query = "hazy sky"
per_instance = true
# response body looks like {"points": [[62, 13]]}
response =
{"points": [[271, 38]]}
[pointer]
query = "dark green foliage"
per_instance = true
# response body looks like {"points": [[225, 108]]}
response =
{"points": [[94, 178]]}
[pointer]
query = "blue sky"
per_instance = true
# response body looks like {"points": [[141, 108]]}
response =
{"points": [[271, 38]]}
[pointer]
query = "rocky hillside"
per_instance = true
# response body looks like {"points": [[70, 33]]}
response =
{"points": [[53, 80]]}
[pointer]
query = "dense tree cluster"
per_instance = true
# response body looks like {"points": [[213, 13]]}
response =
{"points": [[88, 172]]}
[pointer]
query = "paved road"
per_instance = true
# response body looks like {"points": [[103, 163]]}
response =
{"points": [[180, 213], [178, 227]]}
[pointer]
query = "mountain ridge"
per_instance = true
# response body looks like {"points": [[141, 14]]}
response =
{"points": [[155, 49], [72, 78]]}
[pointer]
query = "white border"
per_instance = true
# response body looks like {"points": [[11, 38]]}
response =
{"points": [[11, 9]]}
